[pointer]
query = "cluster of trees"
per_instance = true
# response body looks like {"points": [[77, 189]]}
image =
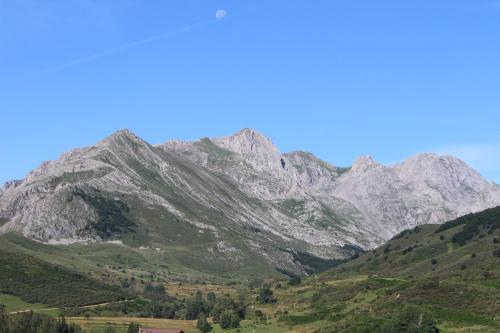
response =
{"points": [[266, 295], [30, 322], [487, 220], [224, 310], [155, 292], [138, 308]]}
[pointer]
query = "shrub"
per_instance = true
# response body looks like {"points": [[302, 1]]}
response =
{"points": [[434, 261], [295, 280], [229, 319], [407, 250], [211, 296]]}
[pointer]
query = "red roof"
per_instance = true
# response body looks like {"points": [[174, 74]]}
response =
{"points": [[159, 330]]}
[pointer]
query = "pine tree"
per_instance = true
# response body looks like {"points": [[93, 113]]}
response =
{"points": [[202, 325]]}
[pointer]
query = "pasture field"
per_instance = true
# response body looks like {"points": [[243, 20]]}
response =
{"points": [[183, 289], [14, 304], [120, 324]]}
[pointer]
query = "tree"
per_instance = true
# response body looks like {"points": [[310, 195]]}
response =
{"points": [[202, 325], [241, 306], [195, 306], [265, 294], [155, 291], [211, 297], [133, 328], [4, 320], [295, 280], [221, 305], [229, 319]]}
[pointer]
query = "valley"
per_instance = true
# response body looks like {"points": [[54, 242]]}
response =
{"points": [[449, 272], [248, 238]]}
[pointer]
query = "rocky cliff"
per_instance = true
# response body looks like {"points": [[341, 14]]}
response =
{"points": [[236, 197]]}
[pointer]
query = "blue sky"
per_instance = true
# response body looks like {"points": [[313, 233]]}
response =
{"points": [[337, 78]]}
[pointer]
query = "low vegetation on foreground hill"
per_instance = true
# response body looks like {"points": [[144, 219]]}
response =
{"points": [[36, 281], [449, 274]]}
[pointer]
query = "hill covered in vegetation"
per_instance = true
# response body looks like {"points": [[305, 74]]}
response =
{"points": [[446, 277], [36, 281]]}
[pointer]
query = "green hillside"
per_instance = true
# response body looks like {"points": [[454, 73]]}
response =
{"points": [[432, 278], [36, 281], [449, 274]]}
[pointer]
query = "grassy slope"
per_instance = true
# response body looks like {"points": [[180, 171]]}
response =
{"points": [[109, 262], [458, 284], [36, 281]]}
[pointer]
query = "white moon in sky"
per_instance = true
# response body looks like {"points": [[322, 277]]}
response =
{"points": [[220, 14]]}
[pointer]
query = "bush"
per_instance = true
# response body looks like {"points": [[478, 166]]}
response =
{"points": [[229, 319], [407, 250], [295, 280], [434, 261], [211, 296]]}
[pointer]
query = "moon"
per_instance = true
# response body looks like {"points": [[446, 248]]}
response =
{"points": [[220, 14]]}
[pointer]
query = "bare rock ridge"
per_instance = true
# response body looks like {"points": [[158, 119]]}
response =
{"points": [[238, 196]]}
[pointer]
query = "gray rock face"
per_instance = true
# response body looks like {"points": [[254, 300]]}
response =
{"points": [[242, 191], [426, 188], [10, 185]]}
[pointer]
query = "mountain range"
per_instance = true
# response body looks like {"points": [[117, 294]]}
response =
{"points": [[236, 200]]}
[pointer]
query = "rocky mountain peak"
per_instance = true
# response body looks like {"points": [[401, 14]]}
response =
{"points": [[123, 135], [440, 168], [243, 181], [428, 159], [364, 163], [248, 141]]}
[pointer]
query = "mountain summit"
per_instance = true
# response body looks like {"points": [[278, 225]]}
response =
{"points": [[236, 198]]}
